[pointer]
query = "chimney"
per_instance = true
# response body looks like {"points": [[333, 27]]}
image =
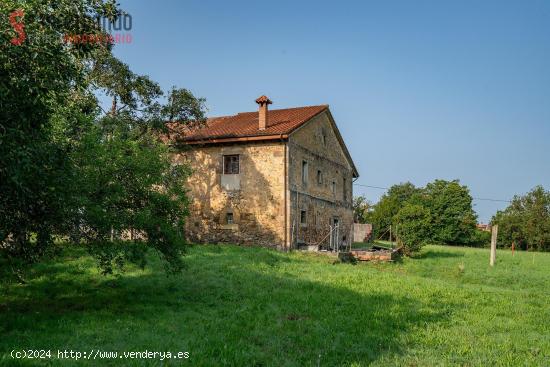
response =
{"points": [[263, 120]]}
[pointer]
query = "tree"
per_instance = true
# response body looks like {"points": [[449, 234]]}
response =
{"points": [[67, 168], [129, 185], [37, 76], [448, 202], [413, 225], [361, 209], [526, 221], [129, 190], [450, 205], [389, 205]]}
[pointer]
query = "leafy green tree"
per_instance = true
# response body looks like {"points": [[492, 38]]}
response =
{"points": [[481, 238], [450, 205], [526, 221], [36, 77], [413, 225], [66, 167], [361, 209], [130, 187], [389, 205], [129, 190]]}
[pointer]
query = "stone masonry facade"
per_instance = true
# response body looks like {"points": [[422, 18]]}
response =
{"points": [[256, 207], [282, 193], [325, 195]]}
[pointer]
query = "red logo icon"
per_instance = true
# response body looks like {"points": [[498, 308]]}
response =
{"points": [[18, 26]]}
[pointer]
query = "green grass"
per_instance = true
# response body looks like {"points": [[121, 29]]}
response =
{"points": [[240, 306]]}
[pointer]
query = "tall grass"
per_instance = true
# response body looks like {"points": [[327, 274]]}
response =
{"points": [[256, 307]]}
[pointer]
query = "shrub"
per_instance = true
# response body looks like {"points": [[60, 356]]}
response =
{"points": [[413, 228], [481, 238]]}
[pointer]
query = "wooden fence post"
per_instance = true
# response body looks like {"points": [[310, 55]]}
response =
{"points": [[494, 233]]}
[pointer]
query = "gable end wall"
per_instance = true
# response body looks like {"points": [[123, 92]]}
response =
{"points": [[318, 199]]}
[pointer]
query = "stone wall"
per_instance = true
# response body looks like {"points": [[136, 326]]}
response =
{"points": [[362, 232], [257, 207], [327, 193]]}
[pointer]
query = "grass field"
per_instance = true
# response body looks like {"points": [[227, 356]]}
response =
{"points": [[240, 306]]}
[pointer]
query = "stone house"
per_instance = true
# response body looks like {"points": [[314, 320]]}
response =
{"points": [[280, 178]]}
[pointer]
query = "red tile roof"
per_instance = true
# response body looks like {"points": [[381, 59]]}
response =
{"points": [[245, 125]]}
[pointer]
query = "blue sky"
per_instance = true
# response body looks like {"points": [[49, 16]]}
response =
{"points": [[419, 89]]}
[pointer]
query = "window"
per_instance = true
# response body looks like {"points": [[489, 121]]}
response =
{"points": [[229, 218], [231, 164], [304, 172], [303, 217], [333, 187], [319, 177], [324, 136]]}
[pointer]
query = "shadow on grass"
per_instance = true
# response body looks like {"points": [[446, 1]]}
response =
{"points": [[429, 254], [224, 310]]}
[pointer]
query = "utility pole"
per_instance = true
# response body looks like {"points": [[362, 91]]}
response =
{"points": [[494, 233]]}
